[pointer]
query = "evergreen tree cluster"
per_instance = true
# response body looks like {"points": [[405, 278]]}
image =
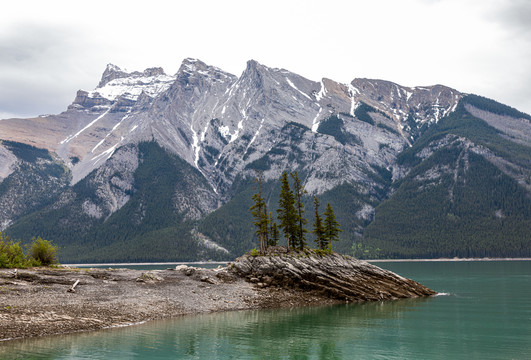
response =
{"points": [[290, 214]]}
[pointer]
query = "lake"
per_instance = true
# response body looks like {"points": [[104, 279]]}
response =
{"points": [[483, 312]]}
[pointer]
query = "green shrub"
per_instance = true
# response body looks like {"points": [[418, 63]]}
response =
{"points": [[11, 254], [42, 252]]}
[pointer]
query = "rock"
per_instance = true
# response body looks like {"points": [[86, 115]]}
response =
{"points": [[226, 276], [335, 275], [208, 280], [187, 270], [267, 280], [149, 277]]}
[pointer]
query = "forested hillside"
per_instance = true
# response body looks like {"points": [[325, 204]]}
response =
{"points": [[456, 202], [147, 227]]}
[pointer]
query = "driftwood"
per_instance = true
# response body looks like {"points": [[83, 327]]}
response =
{"points": [[73, 287]]}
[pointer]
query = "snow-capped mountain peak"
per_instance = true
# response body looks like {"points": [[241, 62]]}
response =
{"points": [[116, 82]]}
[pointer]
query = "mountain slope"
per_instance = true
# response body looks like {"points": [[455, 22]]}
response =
{"points": [[152, 161], [32, 178], [467, 195], [153, 221]]}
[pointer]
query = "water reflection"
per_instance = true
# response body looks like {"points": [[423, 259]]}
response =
{"points": [[487, 316], [302, 333]]}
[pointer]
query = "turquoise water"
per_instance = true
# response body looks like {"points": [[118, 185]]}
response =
{"points": [[484, 314]]}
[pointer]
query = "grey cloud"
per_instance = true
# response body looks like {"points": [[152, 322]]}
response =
{"points": [[41, 67], [515, 15]]}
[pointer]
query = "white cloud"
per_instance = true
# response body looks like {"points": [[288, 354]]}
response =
{"points": [[50, 49]]}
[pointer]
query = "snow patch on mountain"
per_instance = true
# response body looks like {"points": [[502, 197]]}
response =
{"points": [[119, 83], [112, 130], [293, 86], [69, 138]]}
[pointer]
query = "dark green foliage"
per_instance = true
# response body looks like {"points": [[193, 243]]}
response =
{"points": [[318, 227], [331, 226], [494, 107], [11, 254], [383, 175], [295, 127], [259, 212], [287, 213], [184, 137], [334, 126], [26, 152], [388, 128], [36, 180], [485, 213], [147, 227], [345, 114], [43, 252], [300, 221], [274, 236], [231, 225], [461, 123], [362, 113], [261, 164], [347, 200]]}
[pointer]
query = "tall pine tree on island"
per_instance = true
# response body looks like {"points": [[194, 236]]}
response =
{"points": [[287, 214], [290, 214], [300, 221], [318, 227], [274, 236], [259, 212], [331, 226]]}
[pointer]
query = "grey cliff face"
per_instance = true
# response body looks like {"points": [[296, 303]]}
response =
{"points": [[224, 125]]}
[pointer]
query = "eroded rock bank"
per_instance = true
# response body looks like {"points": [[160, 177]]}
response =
{"points": [[335, 275], [36, 302]]}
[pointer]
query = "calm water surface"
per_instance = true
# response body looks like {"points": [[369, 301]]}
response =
{"points": [[484, 314]]}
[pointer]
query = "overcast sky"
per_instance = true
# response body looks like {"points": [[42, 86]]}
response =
{"points": [[50, 49]]}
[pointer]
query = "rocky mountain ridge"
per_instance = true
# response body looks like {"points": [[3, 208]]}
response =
{"points": [[348, 142], [203, 109]]}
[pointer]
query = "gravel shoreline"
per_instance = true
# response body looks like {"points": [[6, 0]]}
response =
{"points": [[37, 303]]}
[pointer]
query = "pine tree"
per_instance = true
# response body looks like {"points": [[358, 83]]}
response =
{"points": [[300, 221], [286, 211], [274, 237], [331, 226], [318, 228], [259, 212]]}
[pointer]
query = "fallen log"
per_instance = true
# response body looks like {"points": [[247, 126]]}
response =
{"points": [[73, 287]]}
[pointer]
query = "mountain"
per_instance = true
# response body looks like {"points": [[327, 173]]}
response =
{"points": [[149, 166]]}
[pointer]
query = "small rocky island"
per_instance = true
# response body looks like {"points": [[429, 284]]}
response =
{"points": [[44, 301], [333, 275]]}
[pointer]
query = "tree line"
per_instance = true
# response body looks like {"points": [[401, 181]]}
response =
{"points": [[290, 215]]}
